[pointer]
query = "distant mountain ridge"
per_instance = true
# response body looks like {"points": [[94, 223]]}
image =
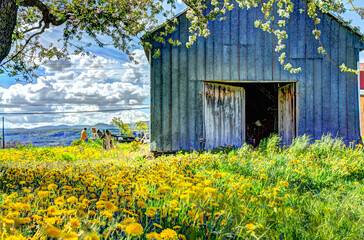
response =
{"points": [[98, 125], [60, 135], [45, 136]]}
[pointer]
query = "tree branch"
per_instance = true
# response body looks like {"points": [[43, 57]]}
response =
{"points": [[47, 16], [25, 44], [33, 28]]}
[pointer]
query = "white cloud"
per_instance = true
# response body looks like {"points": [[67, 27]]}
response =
{"points": [[81, 84], [137, 73], [57, 65]]}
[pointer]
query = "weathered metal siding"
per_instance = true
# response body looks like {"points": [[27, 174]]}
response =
{"points": [[327, 99], [224, 113]]}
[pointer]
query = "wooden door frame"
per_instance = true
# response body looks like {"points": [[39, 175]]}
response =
{"points": [[294, 108]]}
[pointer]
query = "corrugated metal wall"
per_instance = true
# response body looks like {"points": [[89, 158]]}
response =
{"points": [[236, 51]]}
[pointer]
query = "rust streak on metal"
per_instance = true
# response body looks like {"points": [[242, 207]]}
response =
{"points": [[205, 56], [239, 61], [347, 107], [170, 93], [272, 57], [314, 107]]}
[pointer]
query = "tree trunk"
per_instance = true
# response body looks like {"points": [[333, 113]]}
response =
{"points": [[8, 16]]}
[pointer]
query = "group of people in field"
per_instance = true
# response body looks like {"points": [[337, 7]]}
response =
{"points": [[107, 142]]}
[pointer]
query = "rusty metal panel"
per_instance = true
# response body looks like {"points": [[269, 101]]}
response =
{"points": [[287, 113], [224, 115]]}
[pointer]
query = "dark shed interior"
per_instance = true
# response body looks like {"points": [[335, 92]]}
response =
{"points": [[261, 111]]}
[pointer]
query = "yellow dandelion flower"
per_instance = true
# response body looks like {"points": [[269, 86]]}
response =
{"points": [[43, 194], [175, 195], [36, 217], [250, 226], [128, 199], [72, 199], [191, 213], [59, 201], [52, 187], [85, 201], [15, 237], [209, 190], [92, 236], [168, 234], [184, 196], [110, 206], [70, 236], [52, 209], [134, 229], [24, 220], [141, 204], [8, 221], [107, 214], [53, 231], [26, 207], [91, 213], [71, 212], [75, 223], [207, 182], [284, 183], [151, 212], [127, 221], [173, 203], [153, 235]]}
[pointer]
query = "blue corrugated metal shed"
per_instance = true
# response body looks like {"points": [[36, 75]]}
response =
{"points": [[326, 99]]}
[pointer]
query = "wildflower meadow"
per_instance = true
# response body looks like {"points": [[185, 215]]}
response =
{"points": [[271, 192]]}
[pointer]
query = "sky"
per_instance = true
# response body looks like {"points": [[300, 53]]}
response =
{"points": [[83, 83]]}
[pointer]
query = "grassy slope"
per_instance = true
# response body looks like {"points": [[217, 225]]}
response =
{"points": [[303, 192]]}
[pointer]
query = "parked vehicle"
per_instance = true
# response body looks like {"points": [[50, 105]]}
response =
{"points": [[120, 137]]}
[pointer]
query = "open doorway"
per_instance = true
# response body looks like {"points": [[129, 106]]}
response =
{"points": [[270, 108], [240, 112], [261, 111]]}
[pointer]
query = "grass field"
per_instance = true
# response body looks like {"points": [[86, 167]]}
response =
{"points": [[82, 192]]}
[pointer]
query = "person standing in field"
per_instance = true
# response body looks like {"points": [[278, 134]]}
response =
{"points": [[107, 139], [84, 135], [100, 134], [109, 143]]}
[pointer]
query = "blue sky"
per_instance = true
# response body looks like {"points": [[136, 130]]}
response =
{"points": [[108, 81]]}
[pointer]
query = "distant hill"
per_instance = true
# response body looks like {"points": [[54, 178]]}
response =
{"points": [[49, 135], [51, 127], [61, 135], [98, 125]]}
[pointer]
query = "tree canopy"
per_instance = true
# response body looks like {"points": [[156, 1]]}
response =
{"points": [[121, 23]]}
